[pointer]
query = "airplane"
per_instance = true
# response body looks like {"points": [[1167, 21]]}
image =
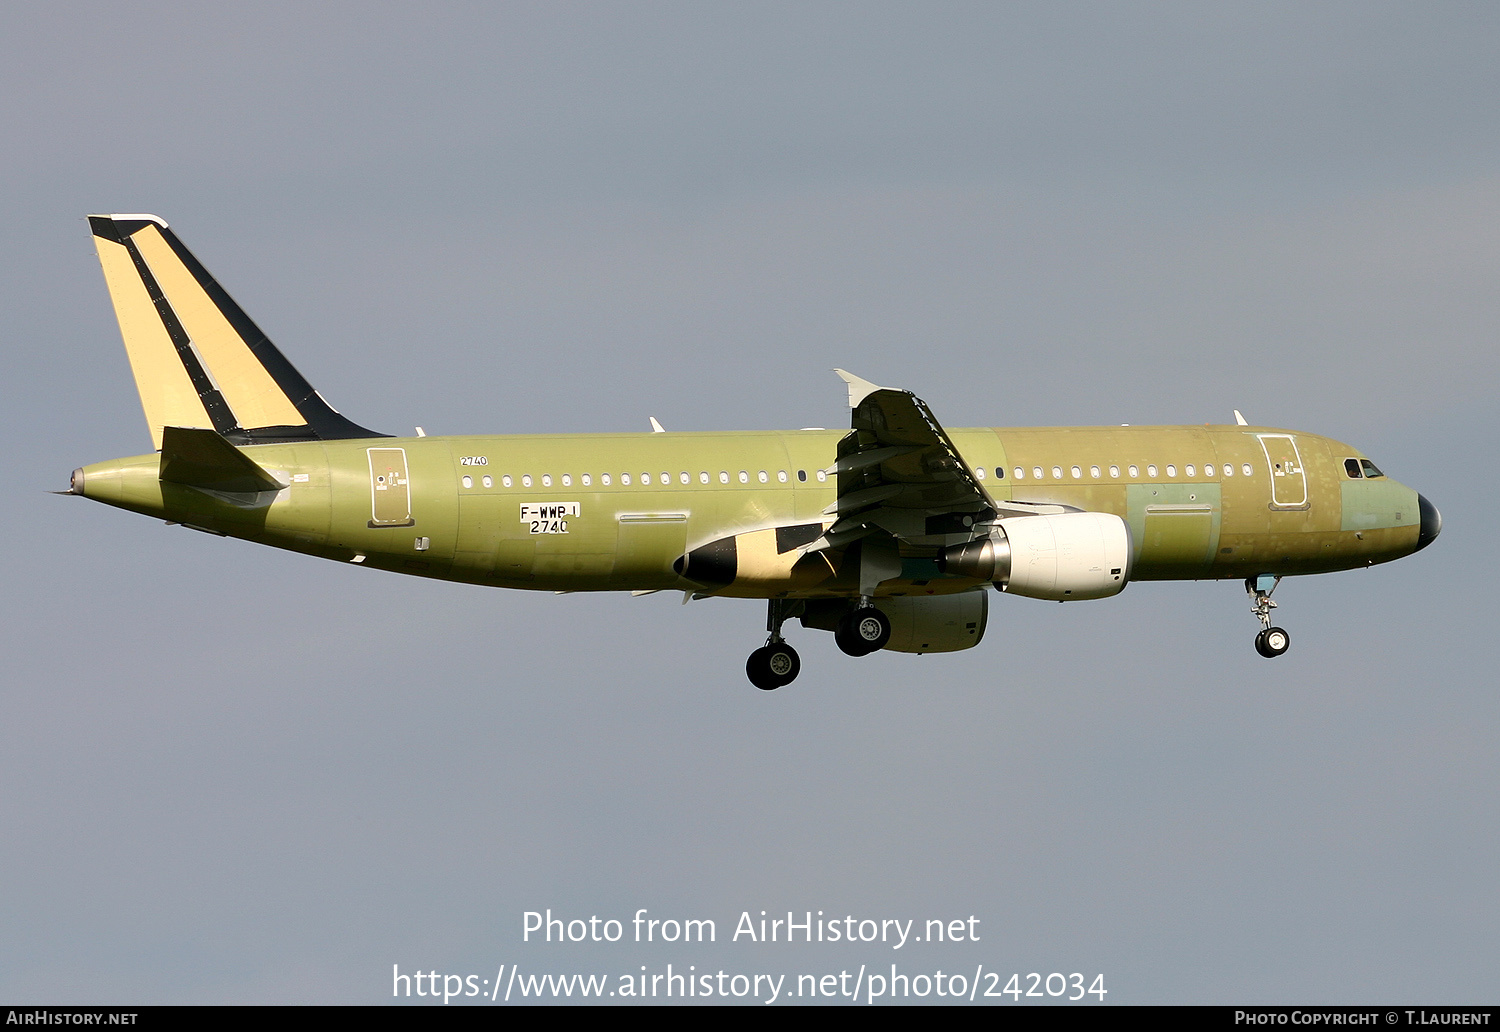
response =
{"points": [[889, 535]]}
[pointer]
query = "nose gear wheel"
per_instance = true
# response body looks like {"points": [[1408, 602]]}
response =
{"points": [[1271, 641]]}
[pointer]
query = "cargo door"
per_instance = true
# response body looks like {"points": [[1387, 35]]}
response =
{"points": [[1175, 528], [648, 544]]}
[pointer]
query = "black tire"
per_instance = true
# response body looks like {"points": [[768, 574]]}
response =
{"points": [[863, 631], [1274, 642], [773, 666], [758, 669]]}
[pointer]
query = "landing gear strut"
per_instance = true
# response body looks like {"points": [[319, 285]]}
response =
{"points": [[1271, 641], [775, 664], [863, 630]]}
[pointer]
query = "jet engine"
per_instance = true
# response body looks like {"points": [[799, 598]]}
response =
{"points": [[1063, 558], [919, 623]]}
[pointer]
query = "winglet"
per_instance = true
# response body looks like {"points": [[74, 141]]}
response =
{"points": [[1239, 419], [859, 389]]}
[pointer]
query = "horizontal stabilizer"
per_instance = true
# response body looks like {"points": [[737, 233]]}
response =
{"points": [[203, 459]]}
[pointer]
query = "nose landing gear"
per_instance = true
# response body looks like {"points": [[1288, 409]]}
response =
{"points": [[1271, 641], [775, 664]]}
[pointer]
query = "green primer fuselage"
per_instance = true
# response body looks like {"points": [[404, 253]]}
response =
{"points": [[1286, 506]]}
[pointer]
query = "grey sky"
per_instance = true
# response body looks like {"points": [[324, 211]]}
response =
{"points": [[231, 774]]}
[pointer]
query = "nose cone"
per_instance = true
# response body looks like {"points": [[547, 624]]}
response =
{"points": [[1432, 523]]}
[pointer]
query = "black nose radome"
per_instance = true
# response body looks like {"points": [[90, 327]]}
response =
{"points": [[1432, 523]]}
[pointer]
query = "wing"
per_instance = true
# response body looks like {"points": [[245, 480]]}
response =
{"points": [[900, 474]]}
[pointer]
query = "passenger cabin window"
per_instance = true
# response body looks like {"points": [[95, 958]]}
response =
{"points": [[1370, 470]]}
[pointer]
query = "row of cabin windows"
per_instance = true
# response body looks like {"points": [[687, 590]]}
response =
{"points": [[1190, 470], [645, 479], [1355, 468]]}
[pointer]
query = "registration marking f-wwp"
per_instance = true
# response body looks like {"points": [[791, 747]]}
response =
{"points": [[548, 517]]}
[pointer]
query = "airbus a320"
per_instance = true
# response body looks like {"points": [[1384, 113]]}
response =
{"points": [[890, 534]]}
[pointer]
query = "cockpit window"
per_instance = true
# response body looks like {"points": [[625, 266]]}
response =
{"points": [[1351, 467], [1370, 468]]}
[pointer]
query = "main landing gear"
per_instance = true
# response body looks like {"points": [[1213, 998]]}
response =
{"points": [[863, 630], [1271, 641], [775, 664], [859, 632]]}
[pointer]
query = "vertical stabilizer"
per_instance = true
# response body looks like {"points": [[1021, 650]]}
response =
{"points": [[198, 360]]}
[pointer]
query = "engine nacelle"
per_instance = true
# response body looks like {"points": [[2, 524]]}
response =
{"points": [[919, 623], [1063, 558]]}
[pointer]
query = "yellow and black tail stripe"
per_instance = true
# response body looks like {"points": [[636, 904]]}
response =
{"points": [[198, 359]]}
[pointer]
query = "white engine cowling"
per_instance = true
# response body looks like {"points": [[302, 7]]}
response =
{"points": [[919, 623], [1063, 558], [936, 623]]}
